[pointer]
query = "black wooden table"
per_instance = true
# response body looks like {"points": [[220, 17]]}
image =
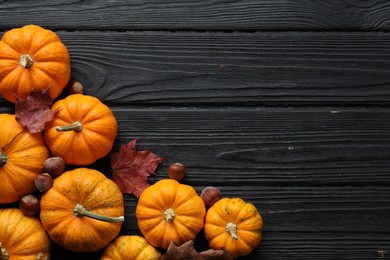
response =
{"points": [[284, 103]]}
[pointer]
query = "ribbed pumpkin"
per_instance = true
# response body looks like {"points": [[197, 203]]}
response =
{"points": [[82, 131], [22, 156], [22, 237], [234, 225], [83, 211], [169, 211], [130, 248], [32, 58]]}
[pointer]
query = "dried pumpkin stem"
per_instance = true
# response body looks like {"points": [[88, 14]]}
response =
{"points": [[41, 256], [169, 215], [75, 126], [4, 255], [231, 228], [80, 211], [3, 159], [26, 61]]}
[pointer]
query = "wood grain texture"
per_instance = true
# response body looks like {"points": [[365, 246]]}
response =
{"points": [[232, 68], [198, 15], [266, 145], [284, 103]]}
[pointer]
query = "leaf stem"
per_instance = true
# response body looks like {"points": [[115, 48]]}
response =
{"points": [[80, 211], [75, 126]]}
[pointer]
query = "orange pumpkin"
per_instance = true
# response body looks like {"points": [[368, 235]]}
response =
{"points": [[130, 247], [234, 225], [169, 211], [83, 211], [82, 131], [22, 156], [22, 237], [32, 58]]}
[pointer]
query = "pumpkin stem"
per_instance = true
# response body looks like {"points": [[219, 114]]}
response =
{"points": [[3, 160], [80, 211], [169, 215], [26, 61], [4, 255], [41, 256], [231, 228], [75, 126]]}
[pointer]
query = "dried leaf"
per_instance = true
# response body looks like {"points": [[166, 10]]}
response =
{"points": [[131, 168], [34, 111], [187, 251]]}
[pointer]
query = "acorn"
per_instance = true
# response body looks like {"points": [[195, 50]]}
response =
{"points": [[29, 205], [177, 171], [54, 166], [210, 195], [43, 181]]}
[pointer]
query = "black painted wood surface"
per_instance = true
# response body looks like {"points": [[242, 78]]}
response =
{"points": [[283, 103]]}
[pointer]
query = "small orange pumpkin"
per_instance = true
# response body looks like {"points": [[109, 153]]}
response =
{"points": [[169, 211], [130, 247], [83, 211], [22, 156], [234, 225], [32, 58], [82, 131], [22, 237]]}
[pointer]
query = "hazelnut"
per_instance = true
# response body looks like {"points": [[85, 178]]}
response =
{"points": [[43, 182], [76, 88], [210, 195], [29, 204], [177, 171], [54, 166]]}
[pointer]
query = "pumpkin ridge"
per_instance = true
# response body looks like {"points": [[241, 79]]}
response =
{"points": [[41, 53], [10, 45], [40, 38]]}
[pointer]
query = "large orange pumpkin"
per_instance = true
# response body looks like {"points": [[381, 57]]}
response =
{"points": [[22, 237], [82, 131], [83, 210], [169, 211], [32, 58], [22, 156], [234, 225]]}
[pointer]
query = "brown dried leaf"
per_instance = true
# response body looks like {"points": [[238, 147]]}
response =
{"points": [[131, 168], [34, 111], [187, 251]]}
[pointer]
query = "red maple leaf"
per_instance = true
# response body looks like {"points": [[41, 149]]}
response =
{"points": [[131, 168], [34, 111]]}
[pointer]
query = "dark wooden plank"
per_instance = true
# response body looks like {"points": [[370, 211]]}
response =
{"points": [[243, 145], [278, 146], [232, 68], [199, 15], [323, 245]]}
